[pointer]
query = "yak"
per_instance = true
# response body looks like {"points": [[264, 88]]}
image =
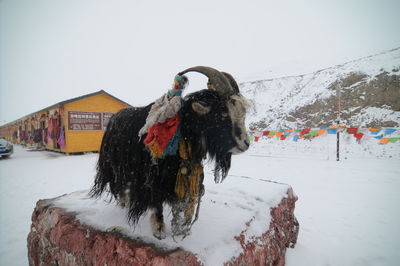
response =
{"points": [[212, 125]]}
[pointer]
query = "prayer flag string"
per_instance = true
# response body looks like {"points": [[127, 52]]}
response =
{"points": [[383, 135]]}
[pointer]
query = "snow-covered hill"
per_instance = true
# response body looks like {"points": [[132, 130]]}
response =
{"points": [[369, 88]]}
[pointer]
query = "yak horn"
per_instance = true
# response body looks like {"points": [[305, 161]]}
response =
{"points": [[232, 81], [220, 81]]}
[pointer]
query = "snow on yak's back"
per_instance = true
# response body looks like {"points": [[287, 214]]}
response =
{"points": [[153, 155]]}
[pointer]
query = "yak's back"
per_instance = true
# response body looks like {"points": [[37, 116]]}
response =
{"points": [[122, 152], [128, 120]]}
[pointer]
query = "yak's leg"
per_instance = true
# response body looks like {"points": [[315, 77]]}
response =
{"points": [[157, 222], [123, 199], [181, 217]]}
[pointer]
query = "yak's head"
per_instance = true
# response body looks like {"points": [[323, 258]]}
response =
{"points": [[215, 119]]}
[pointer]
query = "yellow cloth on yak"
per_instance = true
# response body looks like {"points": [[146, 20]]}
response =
{"points": [[188, 179]]}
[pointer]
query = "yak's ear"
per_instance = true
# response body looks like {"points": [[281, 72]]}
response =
{"points": [[200, 108]]}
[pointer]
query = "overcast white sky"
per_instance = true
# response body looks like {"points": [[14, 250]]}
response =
{"points": [[53, 50]]}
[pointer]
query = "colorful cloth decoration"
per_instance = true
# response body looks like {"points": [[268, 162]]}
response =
{"points": [[61, 139], [162, 122], [210, 85], [180, 82], [161, 137], [50, 129]]}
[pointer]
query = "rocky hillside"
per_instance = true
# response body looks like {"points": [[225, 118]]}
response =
{"points": [[369, 91]]}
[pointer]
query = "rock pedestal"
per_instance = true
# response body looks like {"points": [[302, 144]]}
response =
{"points": [[76, 230]]}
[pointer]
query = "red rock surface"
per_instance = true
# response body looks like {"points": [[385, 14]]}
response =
{"points": [[58, 238]]}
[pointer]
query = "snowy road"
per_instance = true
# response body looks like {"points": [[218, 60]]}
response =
{"points": [[348, 211]]}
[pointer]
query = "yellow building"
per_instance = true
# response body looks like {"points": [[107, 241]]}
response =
{"points": [[71, 126]]}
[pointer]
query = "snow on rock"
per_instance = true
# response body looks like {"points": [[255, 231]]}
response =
{"points": [[242, 221]]}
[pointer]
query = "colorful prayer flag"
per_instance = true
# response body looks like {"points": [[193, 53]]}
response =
{"points": [[313, 133], [389, 131], [332, 130], [321, 131], [384, 141], [305, 131], [374, 132], [358, 136], [258, 134], [310, 133], [287, 133], [352, 130]]}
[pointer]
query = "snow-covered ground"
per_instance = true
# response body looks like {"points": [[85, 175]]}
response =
{"points": [[348, 210]]}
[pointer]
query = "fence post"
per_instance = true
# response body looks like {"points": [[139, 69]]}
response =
{"points": [[338, 94], [337, 146]]}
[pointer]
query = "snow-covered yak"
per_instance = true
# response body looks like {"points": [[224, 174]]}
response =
{"points": [[154, 155]]}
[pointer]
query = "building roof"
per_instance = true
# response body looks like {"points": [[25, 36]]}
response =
{"points": [[70, 101], [83, 97]]}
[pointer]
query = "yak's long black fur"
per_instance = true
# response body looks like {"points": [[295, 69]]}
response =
{"points": [[125, 165]]}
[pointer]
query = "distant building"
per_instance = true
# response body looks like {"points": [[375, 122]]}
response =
{"points": [[71, 126]]}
